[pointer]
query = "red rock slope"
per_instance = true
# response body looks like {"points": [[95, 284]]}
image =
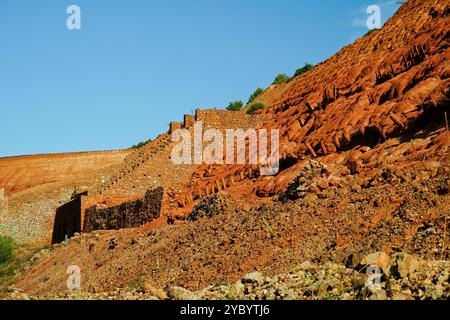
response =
{"points": [[382, 100]]}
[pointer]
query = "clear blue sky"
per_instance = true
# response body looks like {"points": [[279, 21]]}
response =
{"points": [[137, 65]]}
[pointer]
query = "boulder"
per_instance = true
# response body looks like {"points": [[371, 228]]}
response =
{"points": [[178, 293], [378, 259], [407, 264], [252, 277]]}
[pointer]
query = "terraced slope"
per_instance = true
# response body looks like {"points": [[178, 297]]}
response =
{"points": [[20, 173], [36, 185]]}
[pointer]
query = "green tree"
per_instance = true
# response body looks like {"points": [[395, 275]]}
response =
{"points": [[281, 78], [140, 144], [303, 69], [255, 94], [7, 245], [255, 106], [235, 105]]}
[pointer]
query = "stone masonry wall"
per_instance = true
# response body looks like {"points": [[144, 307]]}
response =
{"points": [[126, 215], [175, 126], [188, 121], [225, 119]]}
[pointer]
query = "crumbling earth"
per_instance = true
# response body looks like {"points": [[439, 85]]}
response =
{"points": [[393, 211], [364, 179]]}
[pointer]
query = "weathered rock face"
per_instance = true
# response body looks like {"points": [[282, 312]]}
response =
{"points": [[387, 215], [313, 176], [382, 100], [126, 215], [209, 207]]}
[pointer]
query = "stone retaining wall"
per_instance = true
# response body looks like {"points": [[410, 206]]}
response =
{"points": [[188, 121], [175, 126], [126, 215], [225, 119]]}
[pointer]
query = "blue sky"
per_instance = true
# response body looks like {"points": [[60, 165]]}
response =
{"points": [[136, 65]]}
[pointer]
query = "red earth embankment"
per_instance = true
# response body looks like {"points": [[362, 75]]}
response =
{"points": [[20, 173]]}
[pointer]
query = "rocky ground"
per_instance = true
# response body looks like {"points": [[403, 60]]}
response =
{"points": [[334, 227], [399, 277]]}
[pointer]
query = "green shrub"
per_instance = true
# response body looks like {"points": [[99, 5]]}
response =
{"points": [[136, 283], [281, 78], [208, 207], [7, 271], [17, 257], [255, 106], [255, 94], [370, 31], [303, 69], [7, 246], [140, 144], [235, 106]]}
